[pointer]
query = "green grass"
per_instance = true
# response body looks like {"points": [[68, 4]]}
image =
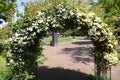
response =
{"points": [[47, 40], [4, 70]]}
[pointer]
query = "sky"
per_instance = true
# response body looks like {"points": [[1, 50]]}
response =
{"points": [[20, 7]]}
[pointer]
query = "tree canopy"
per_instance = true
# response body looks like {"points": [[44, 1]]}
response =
{"points": [[7, 9], [110, 10]]}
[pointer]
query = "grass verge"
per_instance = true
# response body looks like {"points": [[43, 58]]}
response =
{"points": [[47, 40]]}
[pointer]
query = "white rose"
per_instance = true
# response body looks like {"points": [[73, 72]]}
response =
{"points": [[16, 34], [40, 21], [11, 61], [10, 39], [30, 29]]}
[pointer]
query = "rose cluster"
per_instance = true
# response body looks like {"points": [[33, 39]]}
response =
{"points": [[102, 37], [64, 17]]}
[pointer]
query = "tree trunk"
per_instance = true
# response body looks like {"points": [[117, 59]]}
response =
{"points": [[73, 35], [54, 39]]}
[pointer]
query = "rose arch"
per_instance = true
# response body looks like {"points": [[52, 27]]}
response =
{"points": [[25, 46]]}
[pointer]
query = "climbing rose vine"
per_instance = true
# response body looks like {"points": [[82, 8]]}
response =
{"points": [[105, 45], [26, 48], [26, 45]]}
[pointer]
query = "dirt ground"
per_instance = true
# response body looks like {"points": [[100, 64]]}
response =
{"points": [[71, 61]]}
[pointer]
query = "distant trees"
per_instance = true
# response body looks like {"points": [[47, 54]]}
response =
{"points": [[32, 7], [5, 31], [110, 10], [7, 9]]}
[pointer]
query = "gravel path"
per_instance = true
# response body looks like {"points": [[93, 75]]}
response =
{"points": [[70, 61]]}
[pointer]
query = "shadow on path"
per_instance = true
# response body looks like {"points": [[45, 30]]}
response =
{"points": [[60, 74], [82, 54]]}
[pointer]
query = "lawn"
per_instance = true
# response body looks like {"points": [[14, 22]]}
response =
{"points": [[47, 40]]}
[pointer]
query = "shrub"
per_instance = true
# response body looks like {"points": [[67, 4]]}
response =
{"points": [[1, 47], [4, 70]]}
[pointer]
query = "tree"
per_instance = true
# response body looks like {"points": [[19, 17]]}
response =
{"points": [[7, 9], [5, 31], [111, 10], [32, 7]]}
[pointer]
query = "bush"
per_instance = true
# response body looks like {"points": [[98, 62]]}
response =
{"points": [[1, 47], [4, 70]]}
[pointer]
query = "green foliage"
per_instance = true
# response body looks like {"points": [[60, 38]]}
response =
{"points": [[26, 47], [1, 47], [119, 55], [105, 53], [77, 32], [4, 70], [118, 50], [67, 32], [5, 32], [110, 11], [32, 7], [41, 58], [7, 9], [26, 41], [64, 17], [72, 3]]}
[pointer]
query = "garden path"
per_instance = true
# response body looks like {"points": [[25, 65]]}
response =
{"points": [[71, 61]]}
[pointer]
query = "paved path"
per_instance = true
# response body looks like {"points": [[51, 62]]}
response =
{"points": [[70, 61]]}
